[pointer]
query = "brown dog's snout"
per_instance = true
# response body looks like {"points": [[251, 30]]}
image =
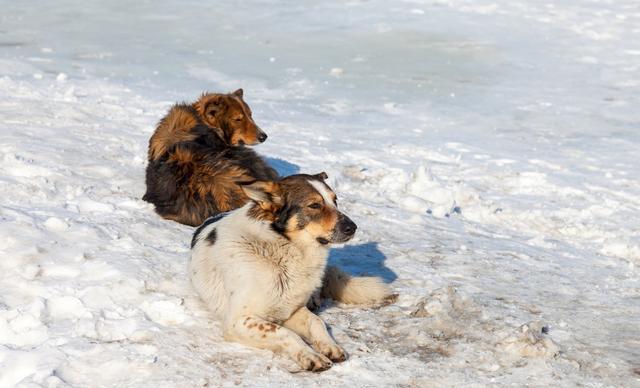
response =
{"points": [[261, 136]]}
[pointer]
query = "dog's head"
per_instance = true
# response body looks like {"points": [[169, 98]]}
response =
{"points": [[303, 208], [230, 117]]}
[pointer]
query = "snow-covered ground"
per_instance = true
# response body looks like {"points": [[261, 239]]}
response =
{"points": [[488, 151]]}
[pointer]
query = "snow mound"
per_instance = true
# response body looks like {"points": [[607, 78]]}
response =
{"points": [[449, 324], [530, 341], [447, 313]]}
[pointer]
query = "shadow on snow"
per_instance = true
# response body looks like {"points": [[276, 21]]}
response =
{"points": [[363, 259], [283, 167]]}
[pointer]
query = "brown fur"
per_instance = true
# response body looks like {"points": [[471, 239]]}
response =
{"points": [[294, 206], [173, 128], [229, 111], [217, 180], [320, 221], [226, 115], [197, 161]]}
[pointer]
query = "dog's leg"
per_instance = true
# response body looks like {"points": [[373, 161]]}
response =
{"points": [[254, 331], [310, 327], [315, 301]]}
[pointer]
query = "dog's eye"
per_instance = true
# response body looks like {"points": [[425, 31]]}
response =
{"points": [[315, 205], [238, 119]]}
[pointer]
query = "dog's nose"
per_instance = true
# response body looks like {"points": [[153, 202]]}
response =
{"points": [[262, 137], [347, 226]]}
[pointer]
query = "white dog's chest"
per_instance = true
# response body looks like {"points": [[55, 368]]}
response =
{"points": [[295, 275]]}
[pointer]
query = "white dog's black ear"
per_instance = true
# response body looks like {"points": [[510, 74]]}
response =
{"points": [[265, 193], [323, 175]]}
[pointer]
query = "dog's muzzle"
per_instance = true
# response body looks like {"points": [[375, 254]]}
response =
{"points": [[345, 229]]}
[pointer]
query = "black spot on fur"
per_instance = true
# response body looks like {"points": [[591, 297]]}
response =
{"points": [[206, 223], [208, 138], [213, 235], [282, 218]]}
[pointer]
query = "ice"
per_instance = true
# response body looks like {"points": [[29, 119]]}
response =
{"points": [[487, 151]]}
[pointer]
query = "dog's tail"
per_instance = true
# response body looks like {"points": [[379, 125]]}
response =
{"points": [[345, 288]]}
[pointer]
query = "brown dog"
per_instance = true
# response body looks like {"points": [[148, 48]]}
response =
{"points": [[198, 158], [225, 115]]}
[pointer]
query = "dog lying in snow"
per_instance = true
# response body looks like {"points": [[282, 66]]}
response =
{"points": [[256, 268], [197, 158]]}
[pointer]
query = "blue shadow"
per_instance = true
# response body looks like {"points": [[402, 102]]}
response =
{"points": [[363, 259], [283, 167]]}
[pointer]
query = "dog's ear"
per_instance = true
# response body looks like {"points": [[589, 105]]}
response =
{"points": [[239, 92], [213, 106], [322, 175], [267, 194], [208, 105]]}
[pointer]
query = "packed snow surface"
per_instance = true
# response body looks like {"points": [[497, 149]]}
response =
{"points": [[488, 151]]}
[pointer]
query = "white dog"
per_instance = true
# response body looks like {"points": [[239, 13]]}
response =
{"points": [[257, 267]]}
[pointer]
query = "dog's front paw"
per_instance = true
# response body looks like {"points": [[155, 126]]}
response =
{"points": [[334, 352], [310, 360]]}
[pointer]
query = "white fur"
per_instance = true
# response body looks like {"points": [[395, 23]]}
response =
{"points": [[340, 286], [322, 189], [248, 259], [252, 277]]}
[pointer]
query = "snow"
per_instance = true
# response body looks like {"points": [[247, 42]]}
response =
{"points": [[487, 151]]}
